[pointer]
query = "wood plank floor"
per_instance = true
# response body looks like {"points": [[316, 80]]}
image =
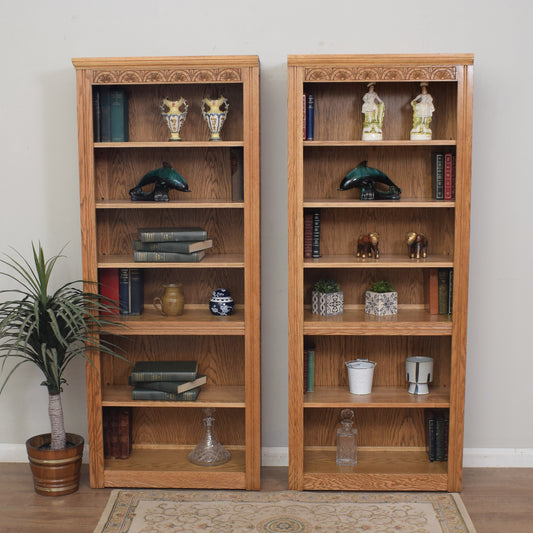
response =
{"points": [[499, 500]]}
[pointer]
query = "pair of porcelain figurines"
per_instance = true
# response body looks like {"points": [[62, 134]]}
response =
{"points": [[374, 112]]}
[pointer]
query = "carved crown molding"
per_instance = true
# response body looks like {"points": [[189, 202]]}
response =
{"points": [[380, 73], [169, 76]]}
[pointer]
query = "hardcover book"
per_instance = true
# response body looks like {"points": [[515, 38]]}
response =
{"points": [[146, 394], [168, 257], [131, 291], [109, 289], [119, 115], [172, 234], [105, 113], [310, 117], [174, 387], [183, 247], [164, 371]]}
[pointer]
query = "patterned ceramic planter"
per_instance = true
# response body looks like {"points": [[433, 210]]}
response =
{"points": [[381, 303], [326, 304]]}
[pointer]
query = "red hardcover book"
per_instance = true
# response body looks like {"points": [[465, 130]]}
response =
{"points": [[108, 279], [124, 433], [432, 290], [448, 176]]}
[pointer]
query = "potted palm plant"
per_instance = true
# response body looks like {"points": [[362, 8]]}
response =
{"points": [[50, 331]]}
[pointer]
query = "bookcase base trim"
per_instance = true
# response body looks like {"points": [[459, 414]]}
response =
{"points": [[175, 480]]}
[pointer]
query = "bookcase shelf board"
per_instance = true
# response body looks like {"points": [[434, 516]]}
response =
{"points": [[325, 123], [223, 180]]}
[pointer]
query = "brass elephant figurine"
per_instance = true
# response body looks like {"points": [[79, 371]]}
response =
{"points": [[367, 245], [417, 245]]}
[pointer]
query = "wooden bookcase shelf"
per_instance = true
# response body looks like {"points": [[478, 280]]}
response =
{"points": [[391, 422], [227, 206]]}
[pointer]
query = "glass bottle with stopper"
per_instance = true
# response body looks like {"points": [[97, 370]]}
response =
{"points": [[209, 451], [347, 440]]}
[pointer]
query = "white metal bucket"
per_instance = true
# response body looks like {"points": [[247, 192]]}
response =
{"points": [[360, 375]]}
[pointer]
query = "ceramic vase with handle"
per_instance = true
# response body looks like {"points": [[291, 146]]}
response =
{"points": [[175, 116], [215, 113], [172, 302]]}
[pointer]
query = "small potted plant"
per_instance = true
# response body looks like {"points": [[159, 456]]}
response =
{"points": [[50, 331], [381, 299], [327, 298]]}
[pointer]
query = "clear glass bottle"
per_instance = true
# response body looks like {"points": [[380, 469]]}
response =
{"points": [[347, 440], [209, 451]]}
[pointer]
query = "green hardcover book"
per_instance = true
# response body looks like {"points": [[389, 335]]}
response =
{"points": [[164, 371], [119, 115], [147, 394], [172, 234], [444, 280], [310, 370], [174, 387], [105, 113], [168, 257], [183, 247]]}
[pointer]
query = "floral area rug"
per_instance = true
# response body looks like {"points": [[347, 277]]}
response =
{"points": [[177, 511]]}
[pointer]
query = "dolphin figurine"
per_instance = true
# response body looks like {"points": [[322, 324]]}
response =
{"points": [[365, 178], [165, 178]]}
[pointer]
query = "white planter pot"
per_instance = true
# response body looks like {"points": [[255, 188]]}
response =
{"points": [[381, 303], [327, 304]]}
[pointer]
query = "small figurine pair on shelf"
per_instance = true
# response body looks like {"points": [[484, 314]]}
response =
{"points": [[214, 112], [374, 111]]}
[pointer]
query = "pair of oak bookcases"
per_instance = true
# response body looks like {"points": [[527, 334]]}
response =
{"points": [[391, 423]]}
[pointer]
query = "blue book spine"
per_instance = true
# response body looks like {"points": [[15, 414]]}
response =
{"points": [[310, 118], [131, 291]]}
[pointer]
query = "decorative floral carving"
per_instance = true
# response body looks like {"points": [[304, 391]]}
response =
{"points": [[380, 73], [161, 76]]}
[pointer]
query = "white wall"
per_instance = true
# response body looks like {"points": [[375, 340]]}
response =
{"points": [[40, 196]]}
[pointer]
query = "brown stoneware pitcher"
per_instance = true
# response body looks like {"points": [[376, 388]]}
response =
{"points": [[172, 302]]}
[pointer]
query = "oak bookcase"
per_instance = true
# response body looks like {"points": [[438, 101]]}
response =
{"points": [[227, 348], [390, 421]]}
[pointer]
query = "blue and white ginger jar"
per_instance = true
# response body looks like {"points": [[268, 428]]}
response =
{"points": [[221, 303]]}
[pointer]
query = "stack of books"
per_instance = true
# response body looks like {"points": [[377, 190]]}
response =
{"points": [[166, 380], [110, 114], [437, 427], [175, 245]]}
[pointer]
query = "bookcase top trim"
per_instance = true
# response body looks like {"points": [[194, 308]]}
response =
{"points": [[197, 62], [377, 73], [380, 60]]}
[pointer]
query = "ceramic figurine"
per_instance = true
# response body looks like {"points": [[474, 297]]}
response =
{"points": [[170, 110], [422, 113], [221, 303], [419, 372], [214, 115], [417, 245], [374, 111], [172, 303], [164, 179], [367, 245], [365, 178]]}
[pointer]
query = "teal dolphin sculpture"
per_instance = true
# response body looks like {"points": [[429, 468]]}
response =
{"points": [[164, 178], [365, 178]]}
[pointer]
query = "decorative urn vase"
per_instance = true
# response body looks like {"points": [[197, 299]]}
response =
{"points": [[215, 113], [221, 303], [174, 112], [381, 303], [327, 303]]}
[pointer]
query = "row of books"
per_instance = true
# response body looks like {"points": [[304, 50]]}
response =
{"points": [[124, 286], [172, 244], [437, 430], [439, 291], [443, 174], [166, 381], [309, 117], [110, 114], [312, 234], [117, 432]]}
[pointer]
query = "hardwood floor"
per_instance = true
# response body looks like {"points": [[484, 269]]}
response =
{"points": [[499, 500]]}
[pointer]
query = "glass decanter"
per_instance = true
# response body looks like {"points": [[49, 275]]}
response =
{"points": [[346, 440], [209, 451]]}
